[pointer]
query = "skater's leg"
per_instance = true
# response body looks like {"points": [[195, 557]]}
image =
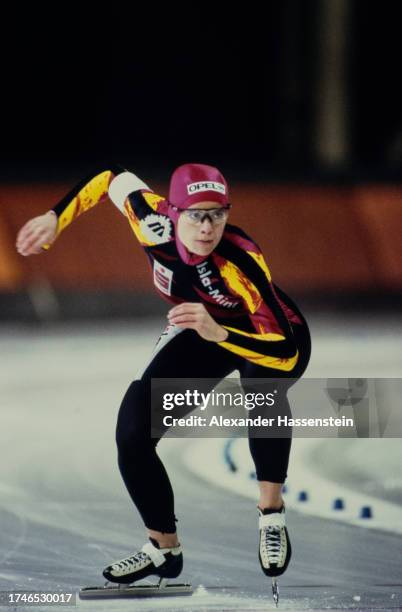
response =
{"points": [[185, 356], [271, 459], [271, 456], [270, 447], [140, 466]]}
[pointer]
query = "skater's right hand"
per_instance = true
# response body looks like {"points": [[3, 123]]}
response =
{"points": [[36, 232]]}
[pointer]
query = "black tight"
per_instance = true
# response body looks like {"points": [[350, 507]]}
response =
{"points": [[184, 354]]}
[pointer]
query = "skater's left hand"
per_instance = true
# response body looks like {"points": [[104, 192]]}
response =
{"points": [[195, 316]]}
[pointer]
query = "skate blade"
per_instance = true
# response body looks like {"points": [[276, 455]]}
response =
{"points": [[141, 590], [275, 591]]}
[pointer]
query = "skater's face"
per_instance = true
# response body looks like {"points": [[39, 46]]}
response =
{"points": [[201, 231]]}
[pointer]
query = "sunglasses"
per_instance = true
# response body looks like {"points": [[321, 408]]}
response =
{"points": [[196, 216]]}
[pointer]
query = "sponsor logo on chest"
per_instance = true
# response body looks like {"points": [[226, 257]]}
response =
{"points": [[163, 278], [205, 277]]}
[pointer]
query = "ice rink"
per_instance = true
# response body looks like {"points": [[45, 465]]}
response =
{"points": [[65, 514]]}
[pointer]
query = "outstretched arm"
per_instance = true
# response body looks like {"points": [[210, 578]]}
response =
{"points": [[39, 233], [146, 211]]}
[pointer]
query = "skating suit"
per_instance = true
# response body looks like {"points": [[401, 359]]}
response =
{"points": [[234, 282]]}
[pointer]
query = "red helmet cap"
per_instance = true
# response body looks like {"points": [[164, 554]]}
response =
{"points": [[193, 183]]}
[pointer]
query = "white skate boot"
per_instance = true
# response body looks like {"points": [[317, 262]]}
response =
{"points": [[275, 550]]}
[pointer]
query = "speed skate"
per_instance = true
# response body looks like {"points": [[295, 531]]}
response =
{"points": [[275, 550], [151, 560]]}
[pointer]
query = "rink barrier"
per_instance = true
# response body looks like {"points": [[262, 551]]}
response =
{"points": [[338, 503]]}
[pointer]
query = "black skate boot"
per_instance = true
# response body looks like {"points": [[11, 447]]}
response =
{"points": [[151, 560], [275, 550]]}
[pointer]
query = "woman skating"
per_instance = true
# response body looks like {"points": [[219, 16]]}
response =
{"points": [[226, 315]]}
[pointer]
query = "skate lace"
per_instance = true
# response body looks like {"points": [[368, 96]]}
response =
{"points": [[273, 543], [132, 561]]}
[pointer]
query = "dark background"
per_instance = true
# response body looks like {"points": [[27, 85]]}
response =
{"points": [[248, 90]]}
